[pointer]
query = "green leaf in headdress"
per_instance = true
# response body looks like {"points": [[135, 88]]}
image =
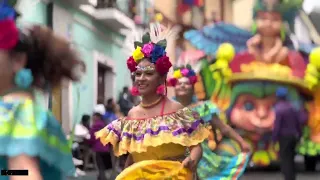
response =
{"points": [[188, 66], [137, 43], [12, 2], [162, 43], [146, 38], [175, 68]]}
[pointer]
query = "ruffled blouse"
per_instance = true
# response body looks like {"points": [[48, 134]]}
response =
{"points": [[170, 132], [28, 128]]}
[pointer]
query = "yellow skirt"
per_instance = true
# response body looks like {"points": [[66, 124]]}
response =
{"points": [[156, 170]]}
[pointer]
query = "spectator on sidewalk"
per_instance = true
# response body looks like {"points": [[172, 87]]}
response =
{"points": [[110, 115], [125, 102], [103, 157], [287, 131]]}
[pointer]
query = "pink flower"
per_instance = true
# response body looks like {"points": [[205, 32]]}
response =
{"points": [[134, 91], [193, 79], [185, 72], [131, 64], [163, 65], [172, 82], [9, 34], [147, 49]]}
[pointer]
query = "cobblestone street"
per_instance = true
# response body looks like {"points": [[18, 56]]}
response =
{"points": [[266, 174]]}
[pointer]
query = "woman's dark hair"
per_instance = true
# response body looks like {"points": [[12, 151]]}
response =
{"points": [[110, 106], [49, 57], [85, 120]]}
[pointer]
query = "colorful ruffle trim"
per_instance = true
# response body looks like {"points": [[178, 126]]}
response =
{"points": [[27, 128], [181, 127], [155, 169]]}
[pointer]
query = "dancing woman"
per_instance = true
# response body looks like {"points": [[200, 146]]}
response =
{"points": [[30, 137], [215, 163], [158, 128]]}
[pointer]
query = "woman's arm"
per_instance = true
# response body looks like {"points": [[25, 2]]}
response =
{"points": [[129, 161], [26, 163], [193, 159], [229, 132]]}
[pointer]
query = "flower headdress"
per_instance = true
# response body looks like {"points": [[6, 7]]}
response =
{"points": [[287, 8], [153, 48], [180, 72], [9, 33]]}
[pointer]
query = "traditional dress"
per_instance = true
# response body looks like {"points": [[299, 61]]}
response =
{"points": [[163, 137], [223, 161], [28, 128]]}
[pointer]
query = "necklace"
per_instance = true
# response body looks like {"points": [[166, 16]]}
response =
{"points": [[151, 104]]}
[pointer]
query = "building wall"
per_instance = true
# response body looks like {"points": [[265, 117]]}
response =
{"points": [[32, 11], [242, 13], [90, 38]]}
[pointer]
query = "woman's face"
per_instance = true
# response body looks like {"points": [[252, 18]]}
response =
{"points": [[147, 79], [183, 87], [5, 65], [269, 23], [253, 114]]}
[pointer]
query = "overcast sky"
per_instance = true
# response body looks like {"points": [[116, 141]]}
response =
{"points": [[311, 5]]}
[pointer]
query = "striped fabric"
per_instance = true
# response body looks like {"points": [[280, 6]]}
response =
{"points": [[227, 162]]}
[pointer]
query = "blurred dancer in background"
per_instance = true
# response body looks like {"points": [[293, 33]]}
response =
{"points": [[215, 163], [29, 60]]}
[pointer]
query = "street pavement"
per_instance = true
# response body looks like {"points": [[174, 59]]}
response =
{"points": [[253, 174]]}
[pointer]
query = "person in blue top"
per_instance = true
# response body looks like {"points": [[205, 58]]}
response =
{"points": [[30, 137], [217, 161], [110, 115]]}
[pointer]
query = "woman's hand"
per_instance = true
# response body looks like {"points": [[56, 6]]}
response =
{"points": [[192, 160], [245, 147], [189, 163]]}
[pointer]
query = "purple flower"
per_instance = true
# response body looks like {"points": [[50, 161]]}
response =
{"points": [[158, 51], [147, 49]]}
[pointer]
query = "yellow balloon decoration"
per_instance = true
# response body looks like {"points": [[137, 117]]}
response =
{"points": [[226, 51], [311, 69], [314, 57], [312, 72], [221, 72]]}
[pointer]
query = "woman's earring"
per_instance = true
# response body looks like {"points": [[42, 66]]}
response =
{"points": [[283, 33], [161, 90], [254, 28], [135, 91], [23, 78]]}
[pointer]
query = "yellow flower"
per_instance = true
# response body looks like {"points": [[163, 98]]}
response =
{"points": [[177, 74], [137, 54]]}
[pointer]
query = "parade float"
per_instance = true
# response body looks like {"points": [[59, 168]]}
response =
{"points": [[248, 69]]}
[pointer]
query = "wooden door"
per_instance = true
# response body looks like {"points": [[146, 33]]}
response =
{"points": [[101, 84]]}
